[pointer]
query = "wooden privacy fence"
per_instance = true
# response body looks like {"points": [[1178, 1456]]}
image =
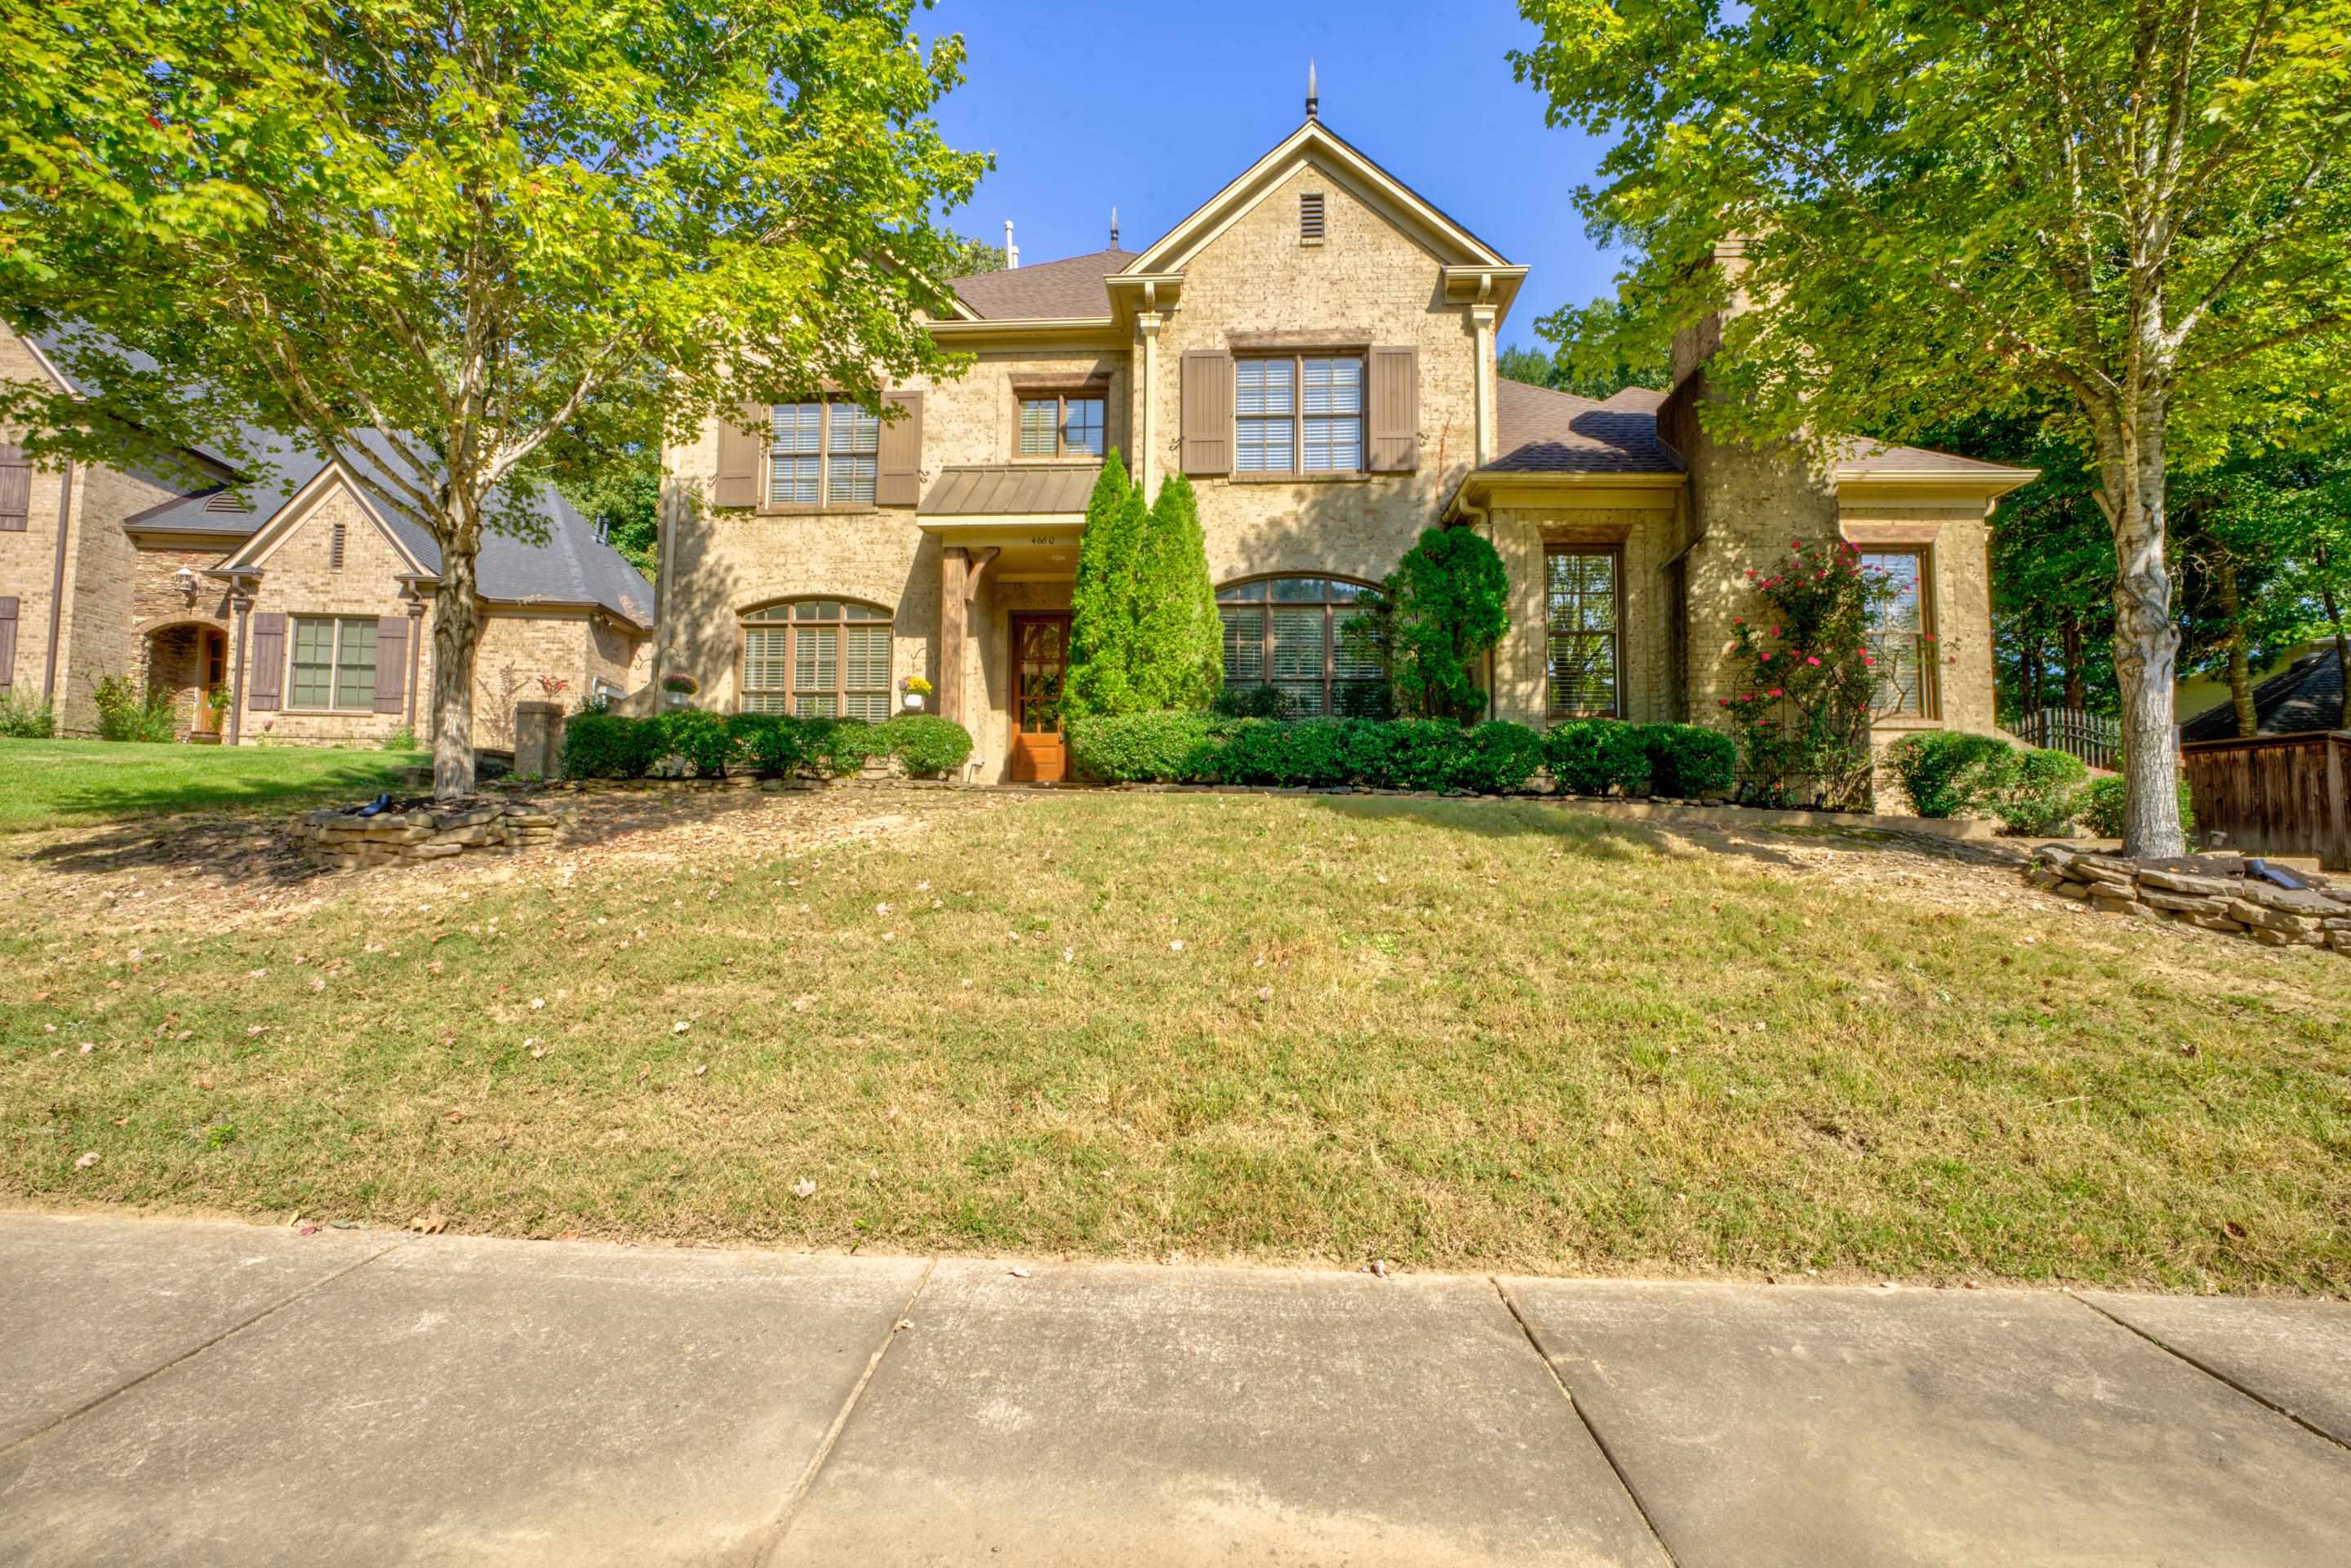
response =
{"points": [[2095, 737], [2276, 794]]}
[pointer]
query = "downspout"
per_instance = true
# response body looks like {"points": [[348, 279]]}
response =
{"points": [[58, 587]]}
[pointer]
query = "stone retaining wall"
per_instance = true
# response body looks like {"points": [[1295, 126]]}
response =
{"points": [[2210, 893], [429, 830]]}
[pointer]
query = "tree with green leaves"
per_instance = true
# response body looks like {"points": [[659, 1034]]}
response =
{"points": [[973, 255], [1103, 610], [1520, 363], [2140, 211], [1599, 350], [427, 237], [1433, 621], [1178, 658]]}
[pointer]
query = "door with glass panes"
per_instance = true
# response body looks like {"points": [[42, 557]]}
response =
{"points": [[1040, 662]]}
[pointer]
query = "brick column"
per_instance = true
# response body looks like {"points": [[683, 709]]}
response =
{"points": [[954, 564]]}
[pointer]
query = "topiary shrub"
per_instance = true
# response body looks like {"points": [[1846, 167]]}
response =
{"points": [[2099, 808], [695, 737], [600, 745], [840, 748], [1431, 621], [768, 744], [1144, 747], [2041, 792], [1496, 759], [1946, 772], [927, 744], [1688, 760], [1594, 756]]}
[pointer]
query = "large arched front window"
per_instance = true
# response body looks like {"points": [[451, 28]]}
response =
{"points": [[1289, 633], [817, 658]]}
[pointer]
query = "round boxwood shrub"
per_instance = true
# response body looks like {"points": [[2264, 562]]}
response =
{"points": [[2043, 792], [1144, 747], [1948, 771], [1496, 759], [1593, 756], [1688, 760], [696, 738], [600, 745], [927, 744]]}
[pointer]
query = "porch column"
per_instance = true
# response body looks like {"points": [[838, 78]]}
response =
{"points": [[240, 605], [1146, 438], [1483, 317], [953, 565], [415, 650]]}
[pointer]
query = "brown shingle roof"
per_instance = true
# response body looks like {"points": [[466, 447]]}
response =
{"points": [[1010, 489], [1547, 432], [1636, 399], [1857, 456], [1065, 289]]}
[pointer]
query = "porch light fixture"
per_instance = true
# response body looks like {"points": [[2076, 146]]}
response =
{"points": [[186, 582]]}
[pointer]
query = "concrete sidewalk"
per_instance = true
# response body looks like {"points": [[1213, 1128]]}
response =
{"points": [[186, 1393]]}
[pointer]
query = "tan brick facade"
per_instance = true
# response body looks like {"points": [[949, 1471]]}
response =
{"points": [[1243, 277], [126, 610]]}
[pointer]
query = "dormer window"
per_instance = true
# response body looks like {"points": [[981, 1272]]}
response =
{"points": [[1310, 218]]}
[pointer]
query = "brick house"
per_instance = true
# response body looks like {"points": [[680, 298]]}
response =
{"points": [[281, 581], [1315, 348]]}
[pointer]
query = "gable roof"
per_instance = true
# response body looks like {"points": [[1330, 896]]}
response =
{"points": [[1545, 432], [1045, 291], [1856, 457], [1315, 141], [2307, 695]]}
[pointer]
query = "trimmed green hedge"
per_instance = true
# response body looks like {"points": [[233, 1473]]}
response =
{"points": [[706, 745], [1495, 758], [1951, 773]]}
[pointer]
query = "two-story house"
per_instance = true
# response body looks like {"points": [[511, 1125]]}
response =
{"points": [[1314, 346]]}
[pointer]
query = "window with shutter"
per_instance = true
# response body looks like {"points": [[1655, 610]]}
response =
{"points": [[15, 489], [7, 644]]}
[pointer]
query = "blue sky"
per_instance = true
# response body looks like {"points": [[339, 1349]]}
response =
{"points": [[1085, 105]]}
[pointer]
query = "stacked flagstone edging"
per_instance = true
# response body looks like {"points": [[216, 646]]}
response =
{"points": [[2210, 893], [428, 831]]}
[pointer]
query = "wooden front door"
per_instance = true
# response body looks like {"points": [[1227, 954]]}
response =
{"points": [[1040, 662]]}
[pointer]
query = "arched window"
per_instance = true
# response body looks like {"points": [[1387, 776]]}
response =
{"points": [[817, 658], [1289, 631]]}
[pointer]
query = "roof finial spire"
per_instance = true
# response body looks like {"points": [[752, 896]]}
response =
{"points": [[1114, 228], [1313, 98]]}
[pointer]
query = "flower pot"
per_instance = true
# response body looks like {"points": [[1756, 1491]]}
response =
{"points": [[914, 700]]}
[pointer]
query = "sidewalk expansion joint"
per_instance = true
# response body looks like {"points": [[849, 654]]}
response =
{"points": [[2214, 1373], [792, 1500], [1590, 1430], [272, 1310]]}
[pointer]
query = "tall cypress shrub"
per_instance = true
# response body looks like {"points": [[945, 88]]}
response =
{"points": [[1179, 648], [1101, 600]]}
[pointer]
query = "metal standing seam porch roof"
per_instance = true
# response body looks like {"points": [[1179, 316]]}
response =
{"points": [[1010, 489]]}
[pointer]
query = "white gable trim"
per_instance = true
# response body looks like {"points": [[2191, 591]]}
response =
{"points": [[1314, 143], [289, 518]]}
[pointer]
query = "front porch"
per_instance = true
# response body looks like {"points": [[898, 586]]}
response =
{"points": [[189, 658]]}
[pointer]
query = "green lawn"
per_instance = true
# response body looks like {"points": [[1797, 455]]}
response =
{"points": [[1458, 1034], [44, 782]]}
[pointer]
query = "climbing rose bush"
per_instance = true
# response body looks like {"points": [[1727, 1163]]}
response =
{"points": [[1799, 706]]}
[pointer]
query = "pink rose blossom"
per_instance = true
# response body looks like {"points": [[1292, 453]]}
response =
{"points": [[1810, 660]]}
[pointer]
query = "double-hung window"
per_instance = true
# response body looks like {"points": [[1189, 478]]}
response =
{"points": [[332, 664], [1902, 635], [1582, 611], [817, 658], [1299, 413], [822, 454], [1055, 424]]}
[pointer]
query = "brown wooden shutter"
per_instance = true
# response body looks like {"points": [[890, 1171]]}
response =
{"points": [[15, 489], [268, 677], [739, 442], [391, 662], [1208, 410], [1394, 376], [7, 644], [899, 479]]}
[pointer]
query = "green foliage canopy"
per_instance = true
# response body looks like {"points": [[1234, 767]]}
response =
{"points": [[1434, 619]]}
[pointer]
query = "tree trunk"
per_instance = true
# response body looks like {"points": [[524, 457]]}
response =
{"points": [[2240, 666], [2076, 696], [456, 633], [2147, 642]]}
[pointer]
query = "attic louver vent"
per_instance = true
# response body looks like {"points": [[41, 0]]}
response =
{"points": [[1310, 218], [227, 501]]}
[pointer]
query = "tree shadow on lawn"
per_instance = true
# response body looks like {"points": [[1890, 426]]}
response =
{"points": [[1582, 833]]}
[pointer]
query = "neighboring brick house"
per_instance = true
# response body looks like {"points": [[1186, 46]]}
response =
{"points": [[279, 581], [1315, 347]]}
